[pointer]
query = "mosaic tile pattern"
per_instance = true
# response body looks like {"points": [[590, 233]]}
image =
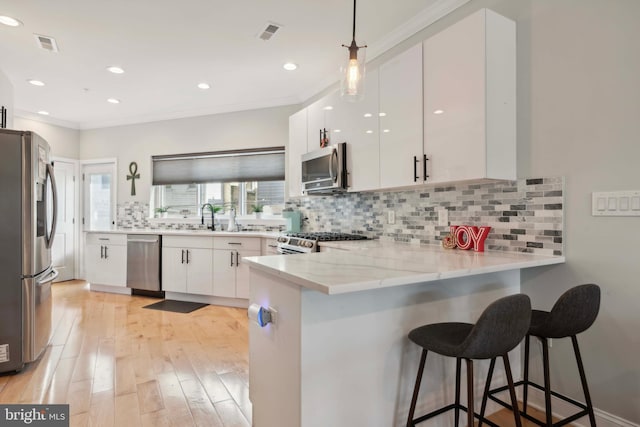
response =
{"points": [[134, 215], [525, 215]]}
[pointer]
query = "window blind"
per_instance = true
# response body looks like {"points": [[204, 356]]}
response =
{"points": [[264, 164]]}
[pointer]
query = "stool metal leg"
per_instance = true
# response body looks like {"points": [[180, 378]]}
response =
{"points": [[487, 389], [583, 379], [525, 384], [416, 388], [457, 408], [547, 382], [512, 390], [469, 392]]}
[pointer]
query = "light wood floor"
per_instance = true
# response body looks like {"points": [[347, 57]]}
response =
{"points": [[117, 364]]}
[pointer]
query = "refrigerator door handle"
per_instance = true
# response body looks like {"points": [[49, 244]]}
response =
{"points": [[53, 275], [54, 190]]}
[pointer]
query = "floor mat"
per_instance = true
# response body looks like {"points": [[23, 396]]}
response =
{"points": [[176, 306]]}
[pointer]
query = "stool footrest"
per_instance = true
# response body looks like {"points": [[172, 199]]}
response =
{"points": [[571, 418], [448, 408]]}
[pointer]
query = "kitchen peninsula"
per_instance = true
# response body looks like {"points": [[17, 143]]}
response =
{"points": [[337, 354]]}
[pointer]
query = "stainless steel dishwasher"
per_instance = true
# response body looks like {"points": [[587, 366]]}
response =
{"points": [[143, 262]]}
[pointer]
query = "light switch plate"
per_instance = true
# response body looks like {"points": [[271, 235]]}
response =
{"points": [[615, 203]]}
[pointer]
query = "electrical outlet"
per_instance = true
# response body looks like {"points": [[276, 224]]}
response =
{"points": [[391, 217]]}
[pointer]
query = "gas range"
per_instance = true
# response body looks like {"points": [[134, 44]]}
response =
{"points": [[302, 243]]}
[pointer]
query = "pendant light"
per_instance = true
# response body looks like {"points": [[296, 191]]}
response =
{"points": [[352, 80]]}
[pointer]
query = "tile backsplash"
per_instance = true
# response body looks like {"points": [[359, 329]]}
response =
{"points": [[524, 215], [134, 215]]}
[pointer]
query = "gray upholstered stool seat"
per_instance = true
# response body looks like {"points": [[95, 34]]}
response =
{"points": [[574, 312], [500, 328]]}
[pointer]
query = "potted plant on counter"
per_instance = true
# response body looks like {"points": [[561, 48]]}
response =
{"points": [[257, 209], [162, 212]]}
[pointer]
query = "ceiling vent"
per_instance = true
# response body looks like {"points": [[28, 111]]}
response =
{"points": [[268, 31], [46, 42]]}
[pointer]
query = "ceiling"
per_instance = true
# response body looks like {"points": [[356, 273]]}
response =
{"points": [[167, 47]]}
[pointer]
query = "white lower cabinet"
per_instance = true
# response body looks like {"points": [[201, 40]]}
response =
{"points": [[269, 246], [106, 259], [230, 273], [187, 265]]}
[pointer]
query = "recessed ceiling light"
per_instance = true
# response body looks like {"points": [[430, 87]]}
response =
{"points": [[7, 20], [36, 82], [328, 108], [369, 131], [44, 113], [290, 66], [367, 115], [203, 86], [386, 131], [113, 101], [115, 70], [337, 130], [438, 112], [382, 114]]}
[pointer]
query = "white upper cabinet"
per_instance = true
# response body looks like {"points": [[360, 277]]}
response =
{"points": [[469, 100], [360, 132], [400, 119], [295, 149], [320, 119]]}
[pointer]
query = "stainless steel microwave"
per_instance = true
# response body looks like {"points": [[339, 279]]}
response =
{"points": [[324, 171]]}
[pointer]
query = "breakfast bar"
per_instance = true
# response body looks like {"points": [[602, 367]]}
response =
{"points": [[336, 352]]}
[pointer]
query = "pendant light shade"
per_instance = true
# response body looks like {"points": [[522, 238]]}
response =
{"points": [[352, 71]]}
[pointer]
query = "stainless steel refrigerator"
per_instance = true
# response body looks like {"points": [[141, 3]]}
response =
{"points": [[27, 226]]}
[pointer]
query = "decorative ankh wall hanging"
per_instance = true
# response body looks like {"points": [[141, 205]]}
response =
{"points": [[133, 170]]}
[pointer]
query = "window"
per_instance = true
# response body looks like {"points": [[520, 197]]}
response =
{"points": [[185, 200], [99, 196], [238, 179]]}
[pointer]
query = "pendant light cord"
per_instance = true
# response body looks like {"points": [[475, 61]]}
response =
{"points": [[354, 20]]}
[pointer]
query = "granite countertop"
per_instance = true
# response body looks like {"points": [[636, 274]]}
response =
{"points": [[374, 264], [207, 233]]}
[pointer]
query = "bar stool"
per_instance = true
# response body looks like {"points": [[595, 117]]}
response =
{"points": [[500, 328], [574, 312]]}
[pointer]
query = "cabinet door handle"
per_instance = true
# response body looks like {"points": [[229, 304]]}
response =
{"points": [[237, 259], [182, 259], [234, 243], [231, 253], [424, 167], [273, 246], [187, 251], [105, 252], [101, 252], [415, 168]]}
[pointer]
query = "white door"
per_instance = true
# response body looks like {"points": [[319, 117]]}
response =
{"points": [[99, 188], [400, 119], [63, 250], [199, 271], [224, 273]]}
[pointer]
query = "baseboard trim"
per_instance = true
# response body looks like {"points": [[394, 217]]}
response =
{"points": [[562, 409]]}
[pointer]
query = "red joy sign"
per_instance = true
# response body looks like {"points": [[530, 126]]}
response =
{"points": [[470, 236]]}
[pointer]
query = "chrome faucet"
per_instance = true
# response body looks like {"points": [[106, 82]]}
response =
{"points": [[213, 224]]}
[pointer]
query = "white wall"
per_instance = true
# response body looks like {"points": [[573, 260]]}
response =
{"points": [[137, 143], [6, 97], [64, 142], [579, 116], [583, 89]]}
